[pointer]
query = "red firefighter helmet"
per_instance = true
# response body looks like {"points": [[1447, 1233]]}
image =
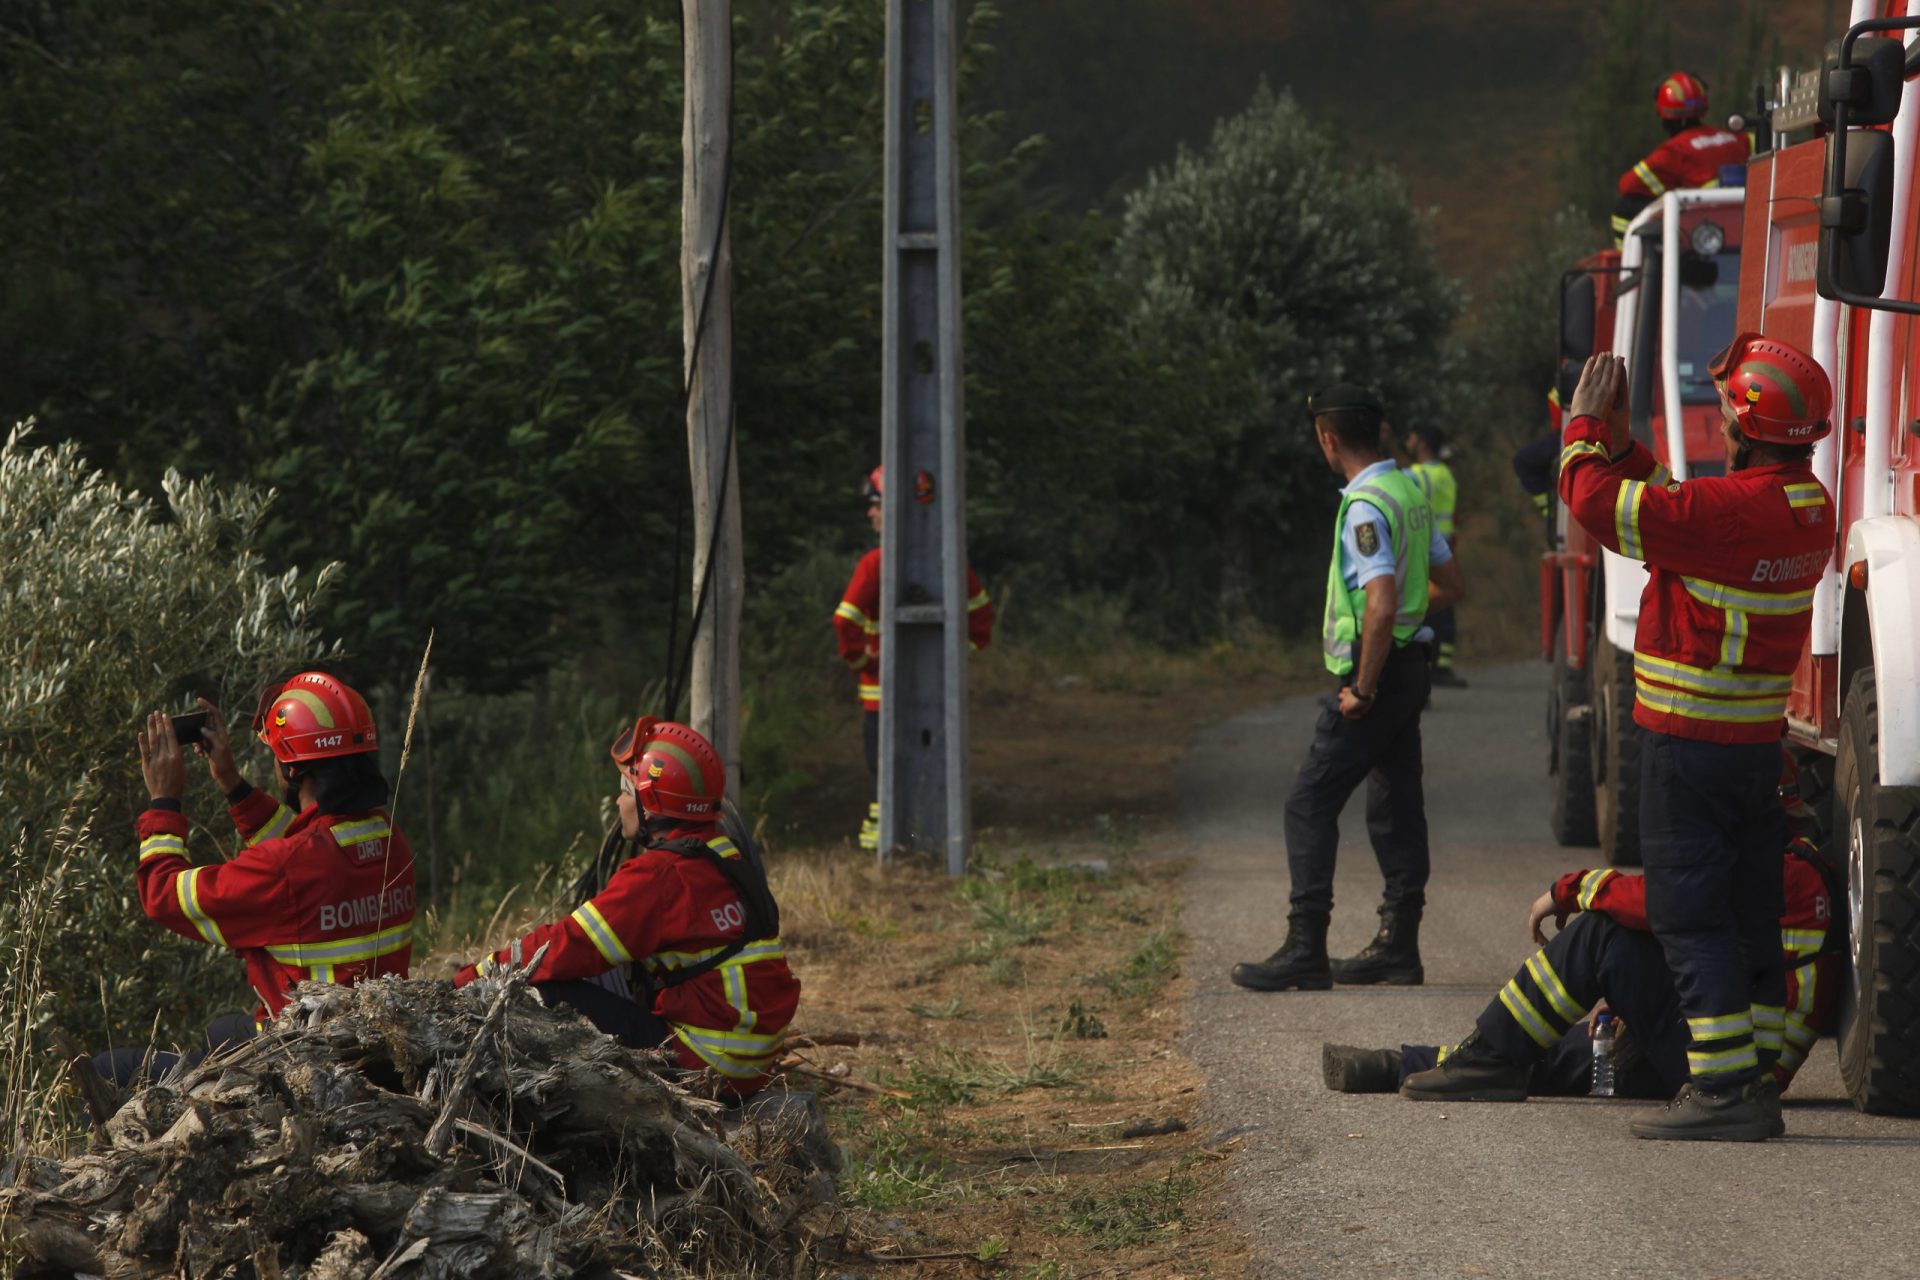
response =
{"points": [[876, 485], [675, 772], [314, 716], [1681, 97], [1777, 392]]}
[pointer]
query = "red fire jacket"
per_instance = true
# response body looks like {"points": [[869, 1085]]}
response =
{"points": [[1733, 561], [1813, 979], [662, 910], [327, 897], [1690, 158], [859, 633]]}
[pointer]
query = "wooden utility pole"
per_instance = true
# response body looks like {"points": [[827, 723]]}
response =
{"points": [[706, 140]]}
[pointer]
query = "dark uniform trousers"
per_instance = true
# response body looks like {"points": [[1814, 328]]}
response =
{"points": [[1711, 831], [1382, 749], [1536, 1017]]}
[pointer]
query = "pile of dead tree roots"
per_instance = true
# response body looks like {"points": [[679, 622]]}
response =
{"points": [[406, 1129]]}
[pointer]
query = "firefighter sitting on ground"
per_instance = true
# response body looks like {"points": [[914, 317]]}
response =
{"points": [[323, 888], [1690, 158], [1533, 1037], [856, 624], [1427, 447], [688, 920]]}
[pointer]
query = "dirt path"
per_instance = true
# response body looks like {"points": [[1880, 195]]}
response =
{"points": [[1334, 1185]]}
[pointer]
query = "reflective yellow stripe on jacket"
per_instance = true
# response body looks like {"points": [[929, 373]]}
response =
{"points": [[338, 951], [273, 828], [160, 843], [741, 1053], [187, 888]]}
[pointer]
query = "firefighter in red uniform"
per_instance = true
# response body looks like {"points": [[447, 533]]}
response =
{"points": [[1533, 1037], [689, 920], [1691, 156], [856, 624], [323, 889], [1732, 565]]}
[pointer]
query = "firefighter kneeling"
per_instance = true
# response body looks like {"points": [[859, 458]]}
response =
{"points": [[323, 889], [688, 921]]}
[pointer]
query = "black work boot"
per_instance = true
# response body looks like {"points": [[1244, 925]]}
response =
{"points": [[1393, 956], [1300, 963], [1350, 1070], [1750, 1113], [1473, 1072]]}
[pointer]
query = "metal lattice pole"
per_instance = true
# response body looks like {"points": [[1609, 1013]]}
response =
{"points": [[923, 593]]}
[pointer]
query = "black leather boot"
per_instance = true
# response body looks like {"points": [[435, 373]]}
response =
{"points": [[1299, 964], [1472, 1072], [1393, 956], [1347, 1069]]}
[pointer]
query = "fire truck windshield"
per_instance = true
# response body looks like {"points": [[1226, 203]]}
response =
{"points": [[1706, 325]]}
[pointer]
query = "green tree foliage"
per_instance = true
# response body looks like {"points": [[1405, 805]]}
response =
{"points": [[1277, 250], [111, 605], [1614, 124]]}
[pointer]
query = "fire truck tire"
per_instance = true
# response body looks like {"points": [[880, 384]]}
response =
{"points": [[1569, 751], [1880, 829], [1616, 754]]}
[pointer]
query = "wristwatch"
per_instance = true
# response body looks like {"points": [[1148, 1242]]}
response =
{"points": [[1355, 690]]}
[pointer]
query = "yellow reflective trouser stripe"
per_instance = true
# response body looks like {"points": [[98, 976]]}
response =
{"points": [[1441, 1056], [1579, 449], [1719, 595], [734, 1062], [187, 888], [154, 846], [1792, 1055], [1768, 1020], [369, 946], [1744, 1058], [1626, 518], [601, 934], [1721, 1026], [852, 613], [1695, 707], [1590, 885], [1800, 941], [978, 602], [273, 828], [1549, 982], [347, 833], [1709, 680], [1645, 173], [1527, 1016]]}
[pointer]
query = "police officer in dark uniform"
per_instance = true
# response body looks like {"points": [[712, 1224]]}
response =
{"points": [[1390, 566]]}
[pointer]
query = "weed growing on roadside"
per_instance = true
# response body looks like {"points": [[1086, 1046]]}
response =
{"points": [[1081, 1023], [892, 1168], [950, 1011], [1151, 966], [1132, 1215]]}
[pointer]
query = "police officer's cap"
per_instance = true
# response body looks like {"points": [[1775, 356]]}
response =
{"points": [[1345, 396]]}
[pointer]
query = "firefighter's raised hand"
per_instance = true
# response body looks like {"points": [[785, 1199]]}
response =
{"points": [[161, 763], [1602, 394], [218, 748]]}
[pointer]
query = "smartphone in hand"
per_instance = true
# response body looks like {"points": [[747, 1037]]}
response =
{"points": [[187, 728]]}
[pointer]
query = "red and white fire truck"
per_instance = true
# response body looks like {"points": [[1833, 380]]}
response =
{"points": [[1833, 265], [1665, 302]]}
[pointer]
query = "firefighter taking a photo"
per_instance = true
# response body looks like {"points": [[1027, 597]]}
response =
{"points": [[1389, 567], [322, 887], [1732, 565], [687, 924]]}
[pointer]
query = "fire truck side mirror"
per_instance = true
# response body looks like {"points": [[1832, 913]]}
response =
{"points": [[1870, 86], [1576, 318], [1856, 226]]}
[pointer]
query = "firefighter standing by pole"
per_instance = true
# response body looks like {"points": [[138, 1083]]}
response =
{"points": [[1732, 565], [1389, 566], [1690, 158], [856, 626]]}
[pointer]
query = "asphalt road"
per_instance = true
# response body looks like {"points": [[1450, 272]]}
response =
{"points": [[1336, 1185]]}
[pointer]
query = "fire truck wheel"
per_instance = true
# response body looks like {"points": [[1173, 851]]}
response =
{"points": [[1616, 753], [1570, 750], [1880, 829]]}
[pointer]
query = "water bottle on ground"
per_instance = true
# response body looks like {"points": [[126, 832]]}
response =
{"points": [[1604, 1044]]}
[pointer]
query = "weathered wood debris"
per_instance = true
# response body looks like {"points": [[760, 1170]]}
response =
{"points": [[406, 1129]]}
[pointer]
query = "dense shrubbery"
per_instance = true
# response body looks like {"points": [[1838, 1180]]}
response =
{"points": [[111, 605]]}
